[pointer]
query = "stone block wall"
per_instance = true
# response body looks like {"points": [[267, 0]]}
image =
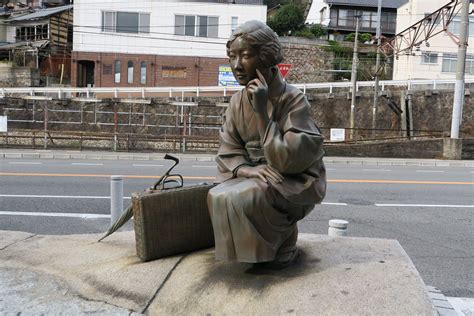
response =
{"points": [[11, 76], [310, 59]]}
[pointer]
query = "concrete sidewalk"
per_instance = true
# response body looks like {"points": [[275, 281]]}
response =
{"points": [[104, 155], [333, 276]]}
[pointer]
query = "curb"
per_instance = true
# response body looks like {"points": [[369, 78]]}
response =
{"points": [[440, 302], [59, 156], [196, 157]]}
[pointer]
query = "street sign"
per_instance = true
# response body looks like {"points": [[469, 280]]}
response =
{"points": [[284, 69], [337, 134], [3, 124]]}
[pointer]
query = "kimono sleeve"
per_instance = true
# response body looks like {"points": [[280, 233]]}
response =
{"points": [[297, 145], [232, 153]]}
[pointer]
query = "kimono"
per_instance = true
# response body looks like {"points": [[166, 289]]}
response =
{"points": [[252, 218]]}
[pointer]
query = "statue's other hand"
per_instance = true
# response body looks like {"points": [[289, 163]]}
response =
{"points": [[264, 172], [258, 90]]}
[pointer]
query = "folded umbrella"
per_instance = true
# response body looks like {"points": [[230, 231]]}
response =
{"points": [[128, 212]]}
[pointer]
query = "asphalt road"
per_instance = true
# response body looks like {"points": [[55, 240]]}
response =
{"points": [[429, 210]]}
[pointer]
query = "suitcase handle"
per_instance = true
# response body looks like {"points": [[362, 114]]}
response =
{"points": [[164, 178]]}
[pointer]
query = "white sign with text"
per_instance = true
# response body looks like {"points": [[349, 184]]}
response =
{"points": [[3, 124], [338, 134]]}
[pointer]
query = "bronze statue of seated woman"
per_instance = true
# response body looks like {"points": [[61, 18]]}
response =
{"points": [[270, 160]]}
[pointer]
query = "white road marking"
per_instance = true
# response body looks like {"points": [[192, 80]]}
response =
{"points": [[424, 205], [332, 203], [25, 163], [86, 164], [377, 170], [330, 169], [204, 166], [77, 215], [430, 171], [143, 165], [92, 197]]}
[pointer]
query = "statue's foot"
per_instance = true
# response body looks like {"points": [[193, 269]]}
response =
{"points": [[285, 257]]}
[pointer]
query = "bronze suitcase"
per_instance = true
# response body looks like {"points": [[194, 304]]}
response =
{"points": [[172, 221]]}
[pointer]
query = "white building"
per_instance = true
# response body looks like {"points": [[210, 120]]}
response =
{"points": [[437, 59], [155, 43]]}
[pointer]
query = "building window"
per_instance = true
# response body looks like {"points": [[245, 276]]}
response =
{"points": [[234, 23], [130, 71], [450, 63], [201, 26], [118, 66], [143, 72], [346, 19], [455, 26], [125, 22], [173, 72], [32, 33], [429, 58]]}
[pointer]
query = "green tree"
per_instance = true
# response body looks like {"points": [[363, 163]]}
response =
{"points": [[288, 18]]}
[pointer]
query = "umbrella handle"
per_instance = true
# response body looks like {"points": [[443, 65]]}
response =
{"points": [[162, 179]]}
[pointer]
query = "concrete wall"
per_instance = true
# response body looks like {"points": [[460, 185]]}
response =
{"points": [[431, 114], [431, 119]]}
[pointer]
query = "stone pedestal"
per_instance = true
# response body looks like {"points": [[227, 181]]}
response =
{"points": [[333, 276]]}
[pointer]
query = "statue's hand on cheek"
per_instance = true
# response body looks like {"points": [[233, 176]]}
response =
{"points": [[258, 93]]}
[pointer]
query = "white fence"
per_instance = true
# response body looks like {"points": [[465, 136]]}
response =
{"points": [[91, 94]]}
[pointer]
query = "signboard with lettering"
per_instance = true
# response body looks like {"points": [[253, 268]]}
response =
{"points": [[338, 134], [3, 124], [226, 77]]}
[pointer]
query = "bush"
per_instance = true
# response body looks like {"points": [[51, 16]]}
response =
{"points": [[305, 32], [317, 30], [364, 37], [288, 18]]}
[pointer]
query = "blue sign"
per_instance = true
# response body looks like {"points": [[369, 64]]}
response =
{"points": [[226, 77]]}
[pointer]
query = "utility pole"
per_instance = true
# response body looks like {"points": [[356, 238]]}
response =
{"points": [[358, 15], [377, 66], [461, 66]]}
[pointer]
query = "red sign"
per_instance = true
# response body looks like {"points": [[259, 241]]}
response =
{"points": [[284, 69]]}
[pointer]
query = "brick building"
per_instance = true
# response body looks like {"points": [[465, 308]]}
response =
{"points": [[155, 43]]}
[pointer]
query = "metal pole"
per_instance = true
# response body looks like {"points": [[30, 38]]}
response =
{"points": [[461, 65], [115, 145], [377, 66], [354, 75], [45, 124], [116, 198]]}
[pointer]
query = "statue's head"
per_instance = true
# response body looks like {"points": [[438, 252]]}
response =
{"points": [[253, 45]]}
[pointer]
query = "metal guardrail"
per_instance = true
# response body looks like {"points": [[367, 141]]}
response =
{"points": [[147, 92]]}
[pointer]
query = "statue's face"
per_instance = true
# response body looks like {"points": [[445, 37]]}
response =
{"points": [[244, 61]]}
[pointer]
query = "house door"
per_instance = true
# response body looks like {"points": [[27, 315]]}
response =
{"points": [[85, 73]]}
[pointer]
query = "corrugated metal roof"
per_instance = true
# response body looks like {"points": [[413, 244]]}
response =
{"points": [[388, 4], [41, 13]]}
